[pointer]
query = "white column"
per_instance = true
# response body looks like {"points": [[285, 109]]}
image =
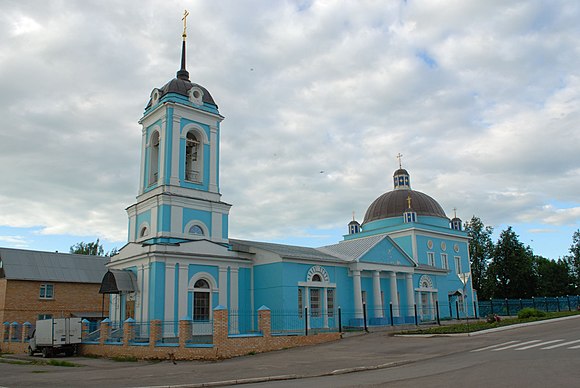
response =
{"points": [[394, 300], [183, 294], [223, 286], [143, 153], [175, 150], [377, 294], [358, 308], [410, 295], [145, 299], [213, 160], [162, 154], [169, 292]]}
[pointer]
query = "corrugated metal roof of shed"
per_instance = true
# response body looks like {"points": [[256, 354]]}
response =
{"points": [[20, 264]]}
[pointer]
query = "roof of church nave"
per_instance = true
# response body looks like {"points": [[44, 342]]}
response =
{"points": [[394, 203]]}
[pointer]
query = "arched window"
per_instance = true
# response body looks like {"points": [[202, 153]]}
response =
{"points": [[201, 300], [144, 232], [192, 158], [196, 229], [316, 278], [154, 158]]}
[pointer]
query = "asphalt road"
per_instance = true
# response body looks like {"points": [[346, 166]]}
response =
{"points": [[485, 360]]}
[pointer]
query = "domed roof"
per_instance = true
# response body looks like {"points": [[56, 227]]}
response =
{"points": [[394, 203], [183, 86], [400, 171]]}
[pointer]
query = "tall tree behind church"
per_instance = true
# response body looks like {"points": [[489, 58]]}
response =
{"points": [[511, 272], [91, 248], [480, 253], [573, 259]]}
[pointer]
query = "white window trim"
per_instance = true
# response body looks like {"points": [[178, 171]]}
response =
{"points": [[444, 263], [457, 259], [431, 258], [196, 223]]}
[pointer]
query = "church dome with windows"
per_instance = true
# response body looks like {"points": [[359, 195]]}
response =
{"points": [[394, 203]]}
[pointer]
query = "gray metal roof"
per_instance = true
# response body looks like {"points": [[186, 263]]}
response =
{"points": [[351, 250], [20, 264], [285, 251]]}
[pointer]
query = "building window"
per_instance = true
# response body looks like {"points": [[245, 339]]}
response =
{"points": [[44, 316], [201, 301], [316, 278], [196, 229], [461, 304], [444, 261], [458, 265], [330, 302], [154, 158], [192, 158], [315, 302], [46, 291], [431, 259], [300, 303]]}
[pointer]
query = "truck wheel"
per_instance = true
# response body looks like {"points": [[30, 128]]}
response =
{"points": [[46, 353], [30, 352]]}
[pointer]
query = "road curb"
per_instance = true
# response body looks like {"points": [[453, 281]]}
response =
{"points": [[492, 330]]}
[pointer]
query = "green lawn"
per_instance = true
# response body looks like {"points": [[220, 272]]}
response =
{"points": [[483, 325]]}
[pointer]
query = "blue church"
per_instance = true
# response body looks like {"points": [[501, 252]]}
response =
{"points": [[405, 258]]}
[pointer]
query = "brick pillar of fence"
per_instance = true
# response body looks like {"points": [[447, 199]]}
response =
{"points": [[105, 330], [128, 331], [265, 321], [5, 331], [84, 329], [220, 326], [185, 331], [154, 332], [14, 332], [26, 328]]}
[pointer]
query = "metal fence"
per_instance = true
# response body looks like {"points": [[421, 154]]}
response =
{"points": [[201, 333], [241, 322], [510, 307]]}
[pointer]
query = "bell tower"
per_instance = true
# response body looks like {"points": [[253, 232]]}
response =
{"points": [[178, 198]]}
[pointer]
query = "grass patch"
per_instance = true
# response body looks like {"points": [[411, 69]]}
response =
{"points": [[125, 359], [61, 363], [482, 325], [38, 362]]}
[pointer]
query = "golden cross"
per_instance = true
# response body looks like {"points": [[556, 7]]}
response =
{"points": [[409, 201], [399, 156], [353, 215], [184, 18], [455, 212]]}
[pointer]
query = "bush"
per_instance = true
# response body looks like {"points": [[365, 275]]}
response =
{"points": [[493, 318], [531, 313]]}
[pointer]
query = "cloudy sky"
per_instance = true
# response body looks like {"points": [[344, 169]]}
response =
{"points": [[481, 97]]}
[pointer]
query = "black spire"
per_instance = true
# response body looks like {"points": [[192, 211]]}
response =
{"points": [[182, 73]]}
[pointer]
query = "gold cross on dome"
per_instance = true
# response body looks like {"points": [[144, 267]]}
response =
{"points": [[409, 201], [184, 18], [399, 156]]}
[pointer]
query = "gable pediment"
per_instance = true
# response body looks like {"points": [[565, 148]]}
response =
{"points": [[386, 252]]}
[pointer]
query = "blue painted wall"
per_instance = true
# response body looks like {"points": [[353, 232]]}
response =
{"points": [[156, 290]]}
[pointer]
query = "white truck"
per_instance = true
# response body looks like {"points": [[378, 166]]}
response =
{"points": [[53, 336]]}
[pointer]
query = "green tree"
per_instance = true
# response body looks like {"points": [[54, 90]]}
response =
{"points": [[574, 260], [554, 277], [480, 253], [91, 248], [511, 273]]}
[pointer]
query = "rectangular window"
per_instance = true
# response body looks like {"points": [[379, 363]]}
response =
{"points": [[330, 302], [315, 302], [46, 291], [201, 306], [431, 259], [461, 304], [300, 303], [444, 261], [458, 265]]}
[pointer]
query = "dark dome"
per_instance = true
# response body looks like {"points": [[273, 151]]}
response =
{"points": [[394, 203], [181, 86], [400, 171]]}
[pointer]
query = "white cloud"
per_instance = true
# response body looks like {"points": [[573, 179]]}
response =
{"points": [[482, 98]]}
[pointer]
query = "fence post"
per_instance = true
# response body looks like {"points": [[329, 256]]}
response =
{"points": [[491, 305], [128, 331], [533, 302], [569, 306], [475, 309], [416, 318], [507, 307], [305, 320], [365, 317], [391, 311], [457, 309], [185, 331], [437, 308], [558, 303], [339, 320], [105, 330], [521, 305], [546, 303]]}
